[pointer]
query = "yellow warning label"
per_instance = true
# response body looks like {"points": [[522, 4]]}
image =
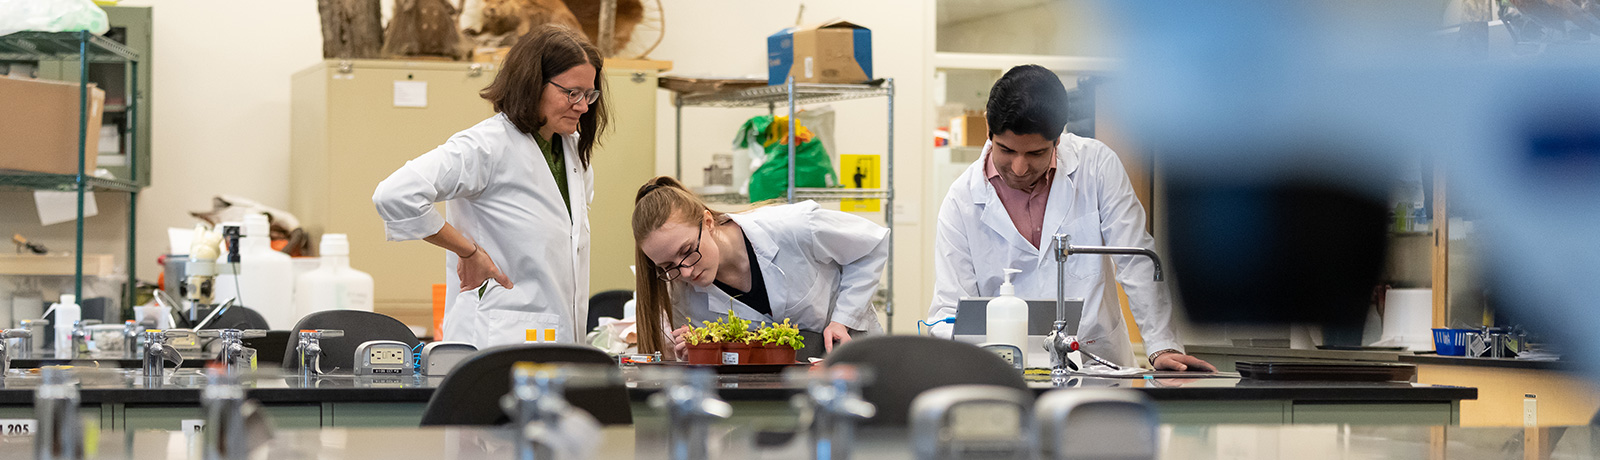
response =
{"points": [[860, 171]]}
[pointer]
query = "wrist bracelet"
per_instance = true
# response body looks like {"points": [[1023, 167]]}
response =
{"points": [[475, 249]]}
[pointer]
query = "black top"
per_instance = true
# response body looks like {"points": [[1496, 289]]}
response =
{"points": [[757, 297]]}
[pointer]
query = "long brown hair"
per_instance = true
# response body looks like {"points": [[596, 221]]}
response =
{"points": [[547, 51], [660, 200]]}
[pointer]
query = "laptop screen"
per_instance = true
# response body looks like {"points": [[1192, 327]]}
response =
{"points": [[972, 316]]}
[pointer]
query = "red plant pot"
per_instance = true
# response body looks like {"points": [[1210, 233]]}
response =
{"points": [[705, 353], [772, 354], [735, 353]]}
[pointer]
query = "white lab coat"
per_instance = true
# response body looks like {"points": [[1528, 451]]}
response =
{"points": [[502, 195], [813, 260], [1091, 200]]}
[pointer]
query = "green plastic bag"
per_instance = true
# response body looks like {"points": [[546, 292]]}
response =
{"points": [[813, 167]]}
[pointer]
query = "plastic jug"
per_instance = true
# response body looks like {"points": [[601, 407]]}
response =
{"points": [[1007, 316], [264, 277], [334, 285], [67, 314]]}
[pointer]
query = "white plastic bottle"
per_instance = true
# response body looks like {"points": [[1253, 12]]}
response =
{"points": [[1007, 316], [67, 313], [334, 285], [265, 277]]}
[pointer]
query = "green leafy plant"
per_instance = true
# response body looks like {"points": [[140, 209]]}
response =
{"points": [[733, 329], [784, 334], [700, 335]]}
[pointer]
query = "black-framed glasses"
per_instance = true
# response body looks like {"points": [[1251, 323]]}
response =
{"points": [[688, 260], [575, 95]]}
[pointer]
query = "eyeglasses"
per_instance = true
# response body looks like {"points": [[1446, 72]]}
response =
{"points": [[575, 95], [693, 257]]}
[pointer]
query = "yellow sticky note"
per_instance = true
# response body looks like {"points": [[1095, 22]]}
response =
{"points": [[550, 335], [531, 335]]}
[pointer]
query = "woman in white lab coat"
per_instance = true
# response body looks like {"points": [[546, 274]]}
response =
{"points": [[516, 229], [818, 268]]}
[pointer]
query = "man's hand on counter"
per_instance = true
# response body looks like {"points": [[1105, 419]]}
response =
{"points": [[1175, 361]]}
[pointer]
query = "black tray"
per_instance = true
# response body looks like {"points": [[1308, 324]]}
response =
{"points": [[733, 368], [1342, 372]]}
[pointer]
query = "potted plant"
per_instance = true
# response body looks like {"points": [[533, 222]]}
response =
{"points": [[778, 343], [704, 346], [735, 336]]}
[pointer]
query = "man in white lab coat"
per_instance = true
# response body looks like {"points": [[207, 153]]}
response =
{"points": [[1030, 184]]}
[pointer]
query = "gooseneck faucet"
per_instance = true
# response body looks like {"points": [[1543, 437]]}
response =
{"points": [[309, 350], [1061, 340]]}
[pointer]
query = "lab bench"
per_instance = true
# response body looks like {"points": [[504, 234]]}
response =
{"points": [[1562, 396], [125, 400], [1177, 442]]}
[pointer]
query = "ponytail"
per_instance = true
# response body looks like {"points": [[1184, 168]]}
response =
{"points": [[659, 200]]}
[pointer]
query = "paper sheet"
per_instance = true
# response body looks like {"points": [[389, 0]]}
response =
{"points": [[410, 93], [57, 207]]}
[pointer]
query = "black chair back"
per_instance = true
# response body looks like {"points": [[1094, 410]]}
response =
{"points": [[471, 394], [358, 326], [239, 317], [905, 366], [607, 304]]}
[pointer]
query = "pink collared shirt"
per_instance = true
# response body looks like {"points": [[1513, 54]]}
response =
{"points": [[1026, 209]]}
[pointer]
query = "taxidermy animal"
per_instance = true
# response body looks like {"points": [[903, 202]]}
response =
{"points": [[506, 20], [629, 14], [423, 28]]}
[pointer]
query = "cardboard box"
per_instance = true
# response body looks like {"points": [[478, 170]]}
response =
{"points": [[970, 130], [831, 52], [39, 126]]}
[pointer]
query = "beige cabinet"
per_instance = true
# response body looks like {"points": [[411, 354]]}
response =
{"points": [[349, 130]]}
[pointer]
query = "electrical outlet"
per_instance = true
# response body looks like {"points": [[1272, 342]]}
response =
{"points": [[1530, 410], [388, 356]]}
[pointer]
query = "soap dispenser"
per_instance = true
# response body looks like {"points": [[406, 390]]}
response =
{"points": [[1007, 316]]}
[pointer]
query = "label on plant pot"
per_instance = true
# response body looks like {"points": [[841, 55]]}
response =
{"points": [[730, 358]]}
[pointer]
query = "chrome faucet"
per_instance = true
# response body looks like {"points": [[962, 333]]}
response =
{"points": [[35, 328], [80, 340], [5, 347], [130, 338], [55, 406], [308, 350], [833, 404], [157, 352], [228, 418], [536, 407], [234, 354], [1062, 341], [691, 404]]}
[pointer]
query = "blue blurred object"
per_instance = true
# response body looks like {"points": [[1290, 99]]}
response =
{"points": [[1279, 124]]}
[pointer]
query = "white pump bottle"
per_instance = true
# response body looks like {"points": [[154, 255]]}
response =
{"points": [[263, 279], [1007, 316]]}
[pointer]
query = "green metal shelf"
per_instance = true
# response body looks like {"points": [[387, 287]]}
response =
{"points": [[32, 46], [86, 48], [62, 182]]}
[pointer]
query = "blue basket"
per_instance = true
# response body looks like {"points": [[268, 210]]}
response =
{"points": [[1450, 342]]}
